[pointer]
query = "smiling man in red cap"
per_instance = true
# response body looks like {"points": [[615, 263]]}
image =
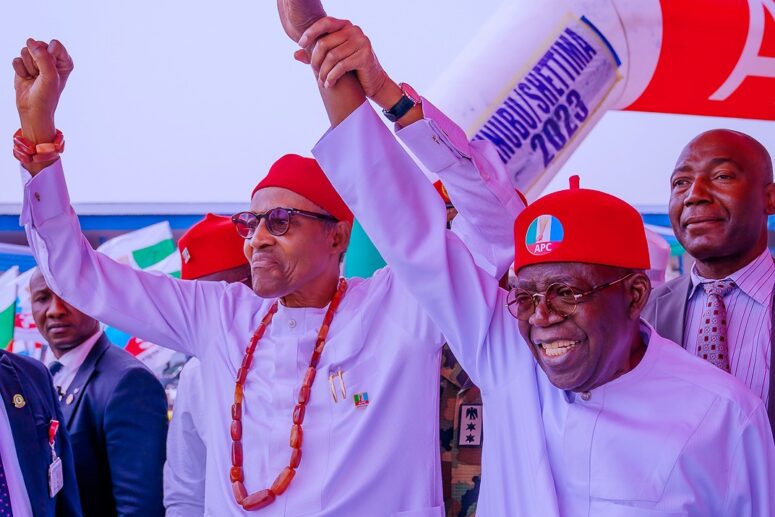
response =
{"points": [[321, 393], [588, 410]]}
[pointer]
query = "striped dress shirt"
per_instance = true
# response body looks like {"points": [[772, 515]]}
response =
{"points": [[749, 321]]}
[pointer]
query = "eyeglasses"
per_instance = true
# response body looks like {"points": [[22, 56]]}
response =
{"points": [[560, 299], [277, 220]]}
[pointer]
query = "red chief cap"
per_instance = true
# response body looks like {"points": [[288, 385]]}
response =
{"points": [[305, 177], [210, 246], [580, 225]]}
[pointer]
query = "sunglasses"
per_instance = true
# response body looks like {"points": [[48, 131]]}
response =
{"points": [[277, 220], [561, 299]]}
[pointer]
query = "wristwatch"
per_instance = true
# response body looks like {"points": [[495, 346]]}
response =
{"points": [[408, 100]]}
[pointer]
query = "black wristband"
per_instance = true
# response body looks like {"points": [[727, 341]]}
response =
{"points": [[399, 109]]}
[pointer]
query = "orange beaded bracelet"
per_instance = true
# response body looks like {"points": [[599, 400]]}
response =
{"points": [[27, 152]]}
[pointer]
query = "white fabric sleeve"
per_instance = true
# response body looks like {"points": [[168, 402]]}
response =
{"points": [[399, 210], [477, 182], [154, 306]]}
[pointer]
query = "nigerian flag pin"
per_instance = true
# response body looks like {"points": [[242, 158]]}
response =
{"points": [[361, 399]]}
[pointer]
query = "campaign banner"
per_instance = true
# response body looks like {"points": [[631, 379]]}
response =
{"points": [[542, 112], [716, 58], [535, 80], [539, 75]]}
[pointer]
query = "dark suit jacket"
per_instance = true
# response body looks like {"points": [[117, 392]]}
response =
{"points": [[666, 311], [29, 425], [116, 412]]}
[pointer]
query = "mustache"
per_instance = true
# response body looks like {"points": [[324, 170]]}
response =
{"points": [[262, 258]]}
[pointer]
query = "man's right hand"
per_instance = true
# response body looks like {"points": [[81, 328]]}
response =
{"points": [[41, 73]]}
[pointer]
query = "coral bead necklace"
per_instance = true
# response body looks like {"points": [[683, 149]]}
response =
{"points": [[267, 496]]}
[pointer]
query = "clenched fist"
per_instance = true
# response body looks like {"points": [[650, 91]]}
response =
{"points": [[297, 15], [41, 70]]}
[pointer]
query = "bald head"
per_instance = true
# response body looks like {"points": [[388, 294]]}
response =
{"points": [[744, 147], [721, 193]]}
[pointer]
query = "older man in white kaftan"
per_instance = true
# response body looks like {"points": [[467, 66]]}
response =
{"points": [[617, 421]]}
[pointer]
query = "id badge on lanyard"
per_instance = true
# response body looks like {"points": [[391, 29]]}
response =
{"points": [[55, 475]]}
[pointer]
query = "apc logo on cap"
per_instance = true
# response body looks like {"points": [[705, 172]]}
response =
{"points": [[544, 235]]}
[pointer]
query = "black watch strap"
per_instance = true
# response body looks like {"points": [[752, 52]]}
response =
{"points": [[399, 109], [409, 99]]}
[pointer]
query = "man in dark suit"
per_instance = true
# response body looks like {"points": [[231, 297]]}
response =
{"points": [[28, 413], [721, 194], [113, 407]]}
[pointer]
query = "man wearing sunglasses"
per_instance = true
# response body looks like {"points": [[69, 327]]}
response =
{"points": [[588, 410], [321, 398]]}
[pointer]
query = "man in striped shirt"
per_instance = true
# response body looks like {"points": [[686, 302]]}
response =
{"points": [[721, 193]]}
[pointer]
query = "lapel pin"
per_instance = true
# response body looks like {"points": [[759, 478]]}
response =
{"points": [[69, 399], [331, 378], [76, 390], [18, 401], [361, 399]]}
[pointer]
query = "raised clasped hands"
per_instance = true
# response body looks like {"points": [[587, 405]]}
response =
{"points": [[338, 47]]}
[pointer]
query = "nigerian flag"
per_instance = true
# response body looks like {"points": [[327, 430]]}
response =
{"points": [[7, 305], [143, 248]]}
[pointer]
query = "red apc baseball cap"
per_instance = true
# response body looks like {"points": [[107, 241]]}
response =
{"points": [[210, 246], [580, 225]]}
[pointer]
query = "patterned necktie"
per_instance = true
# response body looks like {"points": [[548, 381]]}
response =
{"points": [[55, 368], [5, 496], [712, 338]]}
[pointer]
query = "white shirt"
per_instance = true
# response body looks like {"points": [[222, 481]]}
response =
{"points": [[377, 460], [20, 501], [72, 361], [749, 321], [674, 436], [184, 470]]}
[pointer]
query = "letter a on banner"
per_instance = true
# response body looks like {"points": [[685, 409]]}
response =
{"points": [[751, 64], [717, 58]]}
